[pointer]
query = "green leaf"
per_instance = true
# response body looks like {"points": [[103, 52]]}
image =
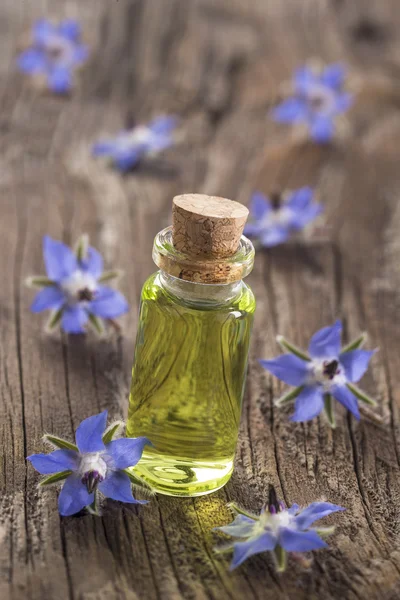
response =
{"points": [[55, 318], [39, 281], [291, 348], [329, 410], [59, 442], [108, 275], [55, 477], [281, 558], [361, 395], [82, 247], [112, 430], [289, 396], [96, 323], [357, 343]]}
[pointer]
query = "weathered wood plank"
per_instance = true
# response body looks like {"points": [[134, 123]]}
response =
{"points": [[219, 65]]}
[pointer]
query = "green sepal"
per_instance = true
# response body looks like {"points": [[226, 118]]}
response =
{"points": [[280, 558], [93, 508], [223, 548], [39, 281], [59, 442], [96, 323], [55, 478], [357, 343], [361, 395], [324, 532], [241, 511], [81, 247], [55, 319], [291, 348], [329, 410], [289, 396], [108, 275], [139, 484], [112, 430]]}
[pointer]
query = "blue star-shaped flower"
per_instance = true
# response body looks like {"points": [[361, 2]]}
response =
{"points": [[317, 100], [130, 146], [278, 530], [93, 464], [327, 371], [55, 54], [274, 222], [74, 288]]}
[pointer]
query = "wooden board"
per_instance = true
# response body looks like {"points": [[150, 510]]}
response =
{"points": [[219, 65]]}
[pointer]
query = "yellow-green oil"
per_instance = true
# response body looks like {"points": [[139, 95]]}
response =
{"points": [[187, 387]]}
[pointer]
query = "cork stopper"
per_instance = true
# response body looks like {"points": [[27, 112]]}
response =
{"points": [[207, 226]]}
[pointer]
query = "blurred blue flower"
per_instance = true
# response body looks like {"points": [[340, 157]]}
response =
{"points": [[74, 288], [55, 54], [130, 146], [96, 463], [272, 221], [278, 530], [318, 98], [327, 371]]}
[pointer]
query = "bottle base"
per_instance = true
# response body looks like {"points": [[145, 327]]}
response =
{"points": [[184, 478]]}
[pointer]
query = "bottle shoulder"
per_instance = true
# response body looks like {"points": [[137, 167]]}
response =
{"points": [[154, 290]]}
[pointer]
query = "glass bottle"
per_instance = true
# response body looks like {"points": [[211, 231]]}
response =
{"points": [[192, 345]]}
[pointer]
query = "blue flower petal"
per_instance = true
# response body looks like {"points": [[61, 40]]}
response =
{"points": [[288, 368], [59, 80], [326, 342], [260, 206], [343, 102], [105, 148], [126, 452], [293, 509], [242, 526], [89, 433], [32, 61], [81, 54], [41, 31], [60, 261], [70, 29], [93, 262], [355, 363], [291, 110], [163, 125], [347, 398], [301, 198], [314, 512], [109, 303], [333, 76], [300, 541], [74, 319], [55, 462], [309, 403], [304, 77], [242, 550], [322, 129], [308, 215], [117, 486], [73, 496], [252, 229], [48, 297], [125, 160], [273, 236]]}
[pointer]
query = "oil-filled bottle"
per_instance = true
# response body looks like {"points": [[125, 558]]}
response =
{"points": [[192, 348]]}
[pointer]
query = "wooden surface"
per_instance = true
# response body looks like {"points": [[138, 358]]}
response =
{"points": [[218, 64]]}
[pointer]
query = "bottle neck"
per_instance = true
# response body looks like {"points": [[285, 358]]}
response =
{"points": [[204, 294]]}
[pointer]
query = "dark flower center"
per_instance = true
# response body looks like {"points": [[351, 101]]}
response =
{"points": [[274, 504], [276, 200], [54, 52], [85, 294], [331, 368], [317, 102], [92, 479]]}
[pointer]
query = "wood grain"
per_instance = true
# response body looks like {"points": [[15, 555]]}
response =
{"points": [[218, 64]]}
